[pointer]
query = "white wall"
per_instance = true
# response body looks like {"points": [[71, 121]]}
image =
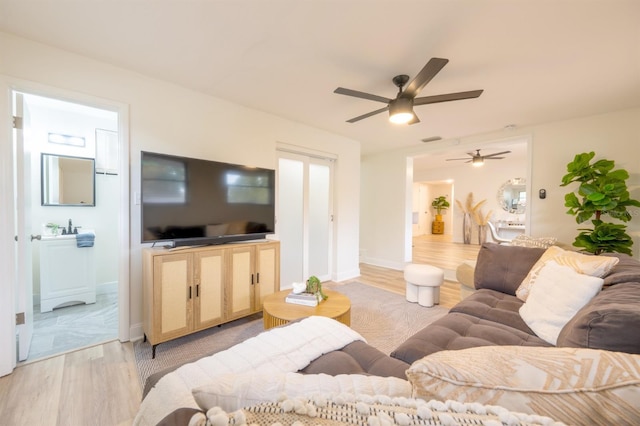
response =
{"points": [[170, 119], [614, 136]]}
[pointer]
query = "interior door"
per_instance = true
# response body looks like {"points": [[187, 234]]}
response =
{"points": [[305, 218], [24, 272]]}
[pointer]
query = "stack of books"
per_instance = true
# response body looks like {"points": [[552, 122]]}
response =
{"points": [[306, 299]]}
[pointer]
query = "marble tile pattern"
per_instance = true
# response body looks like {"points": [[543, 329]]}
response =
{"points": [[74, 327]]}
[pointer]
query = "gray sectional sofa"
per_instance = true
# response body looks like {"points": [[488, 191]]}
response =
{"points": [[483, 350]]}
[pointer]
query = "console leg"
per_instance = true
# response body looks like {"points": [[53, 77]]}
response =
{"points": [[153, 351]]}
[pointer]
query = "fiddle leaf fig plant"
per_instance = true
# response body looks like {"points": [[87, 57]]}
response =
{"points": [[602, 192], [440, 204]]}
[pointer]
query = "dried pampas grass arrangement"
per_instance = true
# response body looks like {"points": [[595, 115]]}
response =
{"points": [[475, 210]]}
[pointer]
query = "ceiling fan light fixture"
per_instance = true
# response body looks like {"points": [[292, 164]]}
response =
{"points": [[401, 110], [477, 161]]}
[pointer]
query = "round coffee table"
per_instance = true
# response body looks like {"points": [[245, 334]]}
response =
{"points": [[275, 311]]}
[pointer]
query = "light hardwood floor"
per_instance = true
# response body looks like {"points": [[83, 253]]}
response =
{"points": [[93, 386], [436, 250], [100, 386]]}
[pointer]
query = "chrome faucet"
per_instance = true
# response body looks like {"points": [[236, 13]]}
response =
{"points": [[70, 229]]}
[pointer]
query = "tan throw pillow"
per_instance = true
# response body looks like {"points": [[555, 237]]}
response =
{"points": [[595, 266], [529, 241], [571, 385], [558, 294]]}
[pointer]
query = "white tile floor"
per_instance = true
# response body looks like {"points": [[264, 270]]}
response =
{"points": [[74, 327]]}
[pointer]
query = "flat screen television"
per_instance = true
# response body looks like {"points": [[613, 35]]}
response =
{"points": [[188, 201]]}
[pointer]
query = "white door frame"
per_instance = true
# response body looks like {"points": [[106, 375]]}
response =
{"points": [[8, 209]]}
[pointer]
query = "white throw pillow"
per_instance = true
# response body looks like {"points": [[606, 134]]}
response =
{"points": [[234, 391], [596, 266], [558, 294]]}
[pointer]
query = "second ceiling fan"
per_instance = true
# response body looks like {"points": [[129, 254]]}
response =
{"points": [[401, 108], [478, 160]]}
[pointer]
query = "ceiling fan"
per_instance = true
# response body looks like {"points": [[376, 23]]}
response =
{"points": [[401, 108], [478, 160]]}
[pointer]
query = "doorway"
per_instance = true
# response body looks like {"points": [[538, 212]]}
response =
{"points": [[305, 216], [69, 182]]}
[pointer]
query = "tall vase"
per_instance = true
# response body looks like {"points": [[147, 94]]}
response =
{"points": [[466, 228], [482, 234]]}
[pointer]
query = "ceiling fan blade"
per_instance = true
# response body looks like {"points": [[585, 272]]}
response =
{"points": [[369, 114], [447, 97], [455, 159], [494, 158], [425, 75], [362, 95], [497, 153]]}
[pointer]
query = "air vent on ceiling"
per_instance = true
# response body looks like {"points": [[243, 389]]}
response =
{"points": [[431, 139]]}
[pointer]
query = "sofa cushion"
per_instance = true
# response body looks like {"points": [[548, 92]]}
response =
{"points": [[357, 358], [502, 268], [461, 331], [626, 270], [610, 321], [492, 305], [596, 266], [559, 293], [576, 386]]}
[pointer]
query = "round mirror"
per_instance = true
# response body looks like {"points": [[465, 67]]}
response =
{"points": [[512, 196]]}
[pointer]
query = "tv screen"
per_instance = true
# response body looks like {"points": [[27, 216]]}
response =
{"points": [[190, 201]]}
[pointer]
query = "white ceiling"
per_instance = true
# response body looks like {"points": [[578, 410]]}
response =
{"points": [[537, 60]]}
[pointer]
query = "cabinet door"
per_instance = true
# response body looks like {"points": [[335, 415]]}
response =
{"points": [[267, 275], [240, 283], [209, 288], [172, 296]]}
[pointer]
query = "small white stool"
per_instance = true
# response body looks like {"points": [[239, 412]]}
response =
{"points": [[423, 284]]}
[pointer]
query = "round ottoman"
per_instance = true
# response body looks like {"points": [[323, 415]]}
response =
{"points": [[423, 284]]}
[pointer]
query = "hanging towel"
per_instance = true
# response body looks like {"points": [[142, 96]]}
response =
{"points": [[85, 239]]}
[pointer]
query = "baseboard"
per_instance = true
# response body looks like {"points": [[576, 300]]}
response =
{"points": [[110, 287], [383, 263], [348, 275], [136, 332]]}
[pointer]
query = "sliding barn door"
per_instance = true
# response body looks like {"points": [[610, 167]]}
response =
{"points": [[304, 219]]}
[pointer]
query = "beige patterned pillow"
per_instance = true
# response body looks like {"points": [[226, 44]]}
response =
{"points": [[596, 266], [529, 241], [572, 385]]}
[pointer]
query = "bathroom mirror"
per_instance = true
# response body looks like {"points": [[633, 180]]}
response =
{"points": [[67, 181], [512, 196]]}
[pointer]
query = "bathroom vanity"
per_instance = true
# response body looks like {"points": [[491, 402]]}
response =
{"points": [[67, 272]]}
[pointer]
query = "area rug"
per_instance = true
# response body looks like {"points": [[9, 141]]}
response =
{"points": [[383, 318]]}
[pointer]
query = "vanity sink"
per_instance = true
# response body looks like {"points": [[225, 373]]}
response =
{"points": [[66, 236], [67, 270]]}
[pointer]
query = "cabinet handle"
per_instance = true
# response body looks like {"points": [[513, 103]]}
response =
{"points": [[189, 292], [197, 290], [258, 280], [251, 279]]}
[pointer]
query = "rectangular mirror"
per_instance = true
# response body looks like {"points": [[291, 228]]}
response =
{"points": [[67, 181]]}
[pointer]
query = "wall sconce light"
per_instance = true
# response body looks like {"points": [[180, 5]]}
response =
{"points": [[66, 139]]}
